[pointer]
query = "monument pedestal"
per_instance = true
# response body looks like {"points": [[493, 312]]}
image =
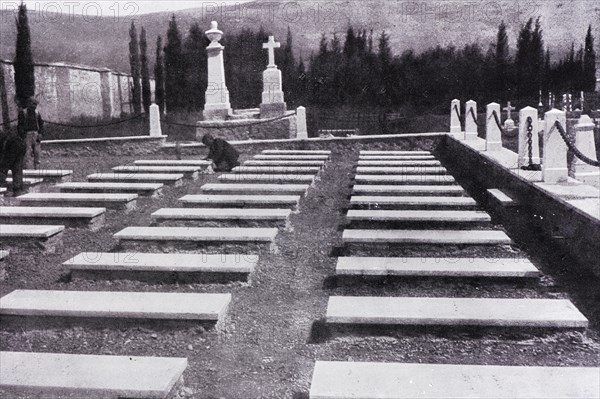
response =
{"points": [[273, 104], [217, 106]]}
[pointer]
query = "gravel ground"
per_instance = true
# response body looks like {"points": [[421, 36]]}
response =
{"points": [[267, 350]]}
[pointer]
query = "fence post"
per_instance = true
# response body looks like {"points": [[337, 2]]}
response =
{"points": [[554, 167], [493, 134], [301, 130], [155, 129], [470, 120], [585, 142], [524, 114], [455, 127]]}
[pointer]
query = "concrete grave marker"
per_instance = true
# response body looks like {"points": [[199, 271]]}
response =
{"points": [[585, 142], [471, 120], [528, 134], [554, 167], [493, 135]]}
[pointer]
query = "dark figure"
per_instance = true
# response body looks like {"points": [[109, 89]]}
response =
{"points": [[223, 155], [31, 129], [12, 157]]}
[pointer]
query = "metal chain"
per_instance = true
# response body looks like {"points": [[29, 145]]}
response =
{"points": [[498, 123], [457, 113], [531, 165], [474, 116], [572, 147]]}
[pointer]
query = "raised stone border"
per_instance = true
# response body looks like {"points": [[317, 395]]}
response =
{"points": [[425, 190], [406, 202], [147, 189], [91, 218], [164, 178], [125, 202], [189, 172], [32, 237], [259, 189], [460, 312], [342, 380], [162, 267], [242, 201], [426, 237], [52, 375], [267, 178], [404, 179]]}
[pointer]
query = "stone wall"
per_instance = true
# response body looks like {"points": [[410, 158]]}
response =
{"points": [[241, 130], [68, 92], [114, 146]]}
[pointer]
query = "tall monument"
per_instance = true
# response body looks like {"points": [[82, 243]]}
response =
{"points": [[217, 105], [273, 104]]}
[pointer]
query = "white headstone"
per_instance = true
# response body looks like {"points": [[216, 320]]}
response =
{"points": [[585, 142], [493, 132], [155, 129], [471, 120], [217, 105], [273, 102], [528, 113], [455, 127], [554, 167], [301, 130]]}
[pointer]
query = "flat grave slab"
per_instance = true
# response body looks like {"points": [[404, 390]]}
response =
{"points": [[2, 191], [405, 179], [413, 202], [171, 179], [47, 174], [198, 234], [262, 189], [267, 178], [53, 375], [298, 157], [368, 380], [147, 189], [4, 254], [464, 312], [165, 214], [391, 152], [391, 163], [276, 169], [29, 183], [190, 172], [237, 200], [500, 197], [424, 190], [161, 262], [201, 163], [29, 236], [429, 237], [436, 267], [355, 215], [92, 218], [297, 152], [283, 163], [403, 170], [396, 158], [125, 202], [118, 305]]}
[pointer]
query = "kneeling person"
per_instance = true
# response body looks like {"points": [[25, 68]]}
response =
{"points": [[223, 155]]}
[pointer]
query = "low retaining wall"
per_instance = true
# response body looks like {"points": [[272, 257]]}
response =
{"points": [[117, 146], [248, 129], [561, 223]]}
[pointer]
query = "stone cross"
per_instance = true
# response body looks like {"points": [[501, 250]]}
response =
{"points": [[271, 45], [508, 110]]}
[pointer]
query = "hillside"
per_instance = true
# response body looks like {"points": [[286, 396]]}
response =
{"points": [[103, 43]]}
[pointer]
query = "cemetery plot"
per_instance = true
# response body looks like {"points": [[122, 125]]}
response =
{"points": [[173, 162], [395, 153], [239, 216], [408, 190], [32, 237], [366, 380], [276, 169], [114, 305], [56, 375], [126, 202], [460, 312], [408, 202], [147, 189], [405, 179], [399, 163], [171, 179], [162, 267], [436, 267], [92, 218], [418, 218], [240, 201], [47, 175], [283, 163], [189, 172], [267, 178], [396, 158], [404, 170], [292, 157], [259, 189], [297, 152], [424, 237]]}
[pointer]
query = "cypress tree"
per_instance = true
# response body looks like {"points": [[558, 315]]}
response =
{"points": [[23, 62], [174, 68], [289, 67], [134, 60], [524, 59], [159, 78], [146, 90], [195, 62], [502, 62], [589, 63]]}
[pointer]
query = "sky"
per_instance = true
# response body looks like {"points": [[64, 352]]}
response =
{"points": [[112, 7]]}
